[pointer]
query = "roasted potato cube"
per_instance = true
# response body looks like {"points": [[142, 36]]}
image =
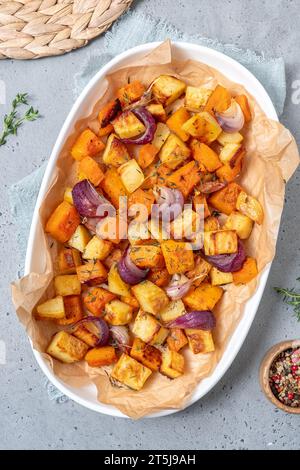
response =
{"points": [[130, 300], [211, 224], [186, 225], [174, 152], [92, 272], [101, 356], [172, 364], [219, 278], [185, 178], [203, 297], [73, 310], [147, 256], [160, 337], [68, 197], [80, 238], [200, 341], [87, 144], [52, 309], [147, 155], [131, 175], [66, 348], [91, 170], [225, 199], [145, 326], [160, 277], [85, 334], [115, 152], [63, 222], [67, 284], [176, 339], [148, 355], [175, 122], [247, 272], [157, 111], [196, 97], [130, 372], [95, 299], [127, 125], [151, 298], [174, 310], [220, 242], [229, 153], [241, 223], [161, 134], [250, 206], [116, 285], [67, 260], [230, 138], [130, 93], [113, 186], [219, 100], [179, 256], [97, 249], [205, 156], [203, 126], [200, 270], [167, 89], [118, 313]]}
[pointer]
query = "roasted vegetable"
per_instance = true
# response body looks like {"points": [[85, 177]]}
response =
{"points": [[90, 169], [145, 326], [80, 238], [148, 355], [101, 356], [63, 222], [219, 100], [174, 152], [151, 298], [66, 348], [160, 277], [127, 125], [241, 223], [200, 341], [130, 93], [203, 126], [230, 138], [95, 299], [185, 178], [219, 278], [147, 154], [229, 172], [106, 115], [147, 256], [220, 242], [204, 297], [116, 285], [200, 270], [113, 186], [196, 97], [242, 100], [174, 310], [97, 248], [172, 364], [248, 272], [250, 206], [145, 199], [84, 333], [131, 175], [67, 284], [230, 153], [167, 89], [67, 260], [73, 310], [225, 200], [118, 313], [176, 339], [92, 272], [87, 144], [205, 155], [157, 111], [179, 256], [115, 152], [211, 224], [130, 372], [200, 200], [52, 309], [68, 195], [161, 134], [175, 122]]}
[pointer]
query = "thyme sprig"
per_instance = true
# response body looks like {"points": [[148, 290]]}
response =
{"points": [[290, 297], [13, 121]]}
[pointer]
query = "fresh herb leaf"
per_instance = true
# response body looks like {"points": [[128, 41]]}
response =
{"points": [[290, 297]]}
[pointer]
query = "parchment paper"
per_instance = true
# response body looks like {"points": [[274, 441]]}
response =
{"points": [[272, 157]]}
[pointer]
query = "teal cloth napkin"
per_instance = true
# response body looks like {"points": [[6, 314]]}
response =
{"points": [[131, 30]]}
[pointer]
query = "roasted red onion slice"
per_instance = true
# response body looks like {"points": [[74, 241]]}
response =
{"points": [[229, 263], [198, 319], [129, 272], [178, 286], [87, 199], [150, 124], [231, 120], [101, 325], [169, 203], [120, 335], [209, 187]]}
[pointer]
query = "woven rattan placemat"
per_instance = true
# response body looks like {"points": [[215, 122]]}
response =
{"points": [[30, 29]]}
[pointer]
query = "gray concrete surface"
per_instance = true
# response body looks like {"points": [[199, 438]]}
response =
{"points": [[235, 414]]}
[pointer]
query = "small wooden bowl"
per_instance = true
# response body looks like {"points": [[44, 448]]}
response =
{"points": [[264, 373]]}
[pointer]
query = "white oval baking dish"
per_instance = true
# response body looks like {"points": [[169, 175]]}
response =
{"points": [[87, 396]]}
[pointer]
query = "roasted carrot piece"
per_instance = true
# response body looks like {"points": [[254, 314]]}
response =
{"points": [[206, 156], [176, 339], [141, 197], [225, 199]]}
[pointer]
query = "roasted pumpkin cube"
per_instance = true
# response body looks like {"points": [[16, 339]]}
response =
{"points": [[73, 310], [52, 309], [130, 372], [200, 200], [151, 298], [160, 337], [174, 152], [200, 341], [118, 313], [67, 284], [219, 278], [220, 242], [127, 125], [250, 206], [145, 326], [147, 155], [116, 285], [174, 310], [200, 271], [175, 122], [130, 300], [196, 97], [92, 271], [247, 272], [185, 178], [66, 348], [166, 89], [130, 93], [211, 224], [158, 112], [203, 126], [140, 204], [242, 100], [88, 144], [225, 199], [172, 364], [219, 100], [80, 238], [68, 197], [95, 299], [147, 256], [85, 334], [113, 186], [229, 172], [179, 256], [91, 170], [241, 223], [160, 277], [63, 222], [131, 175], [101, 356], [176, 339], [205, 155], [148, 355], [115, 152], [161, 134], [186, 225], [67, 260], [106, 114], [230, 138], [97, 249], [203, 297]]}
